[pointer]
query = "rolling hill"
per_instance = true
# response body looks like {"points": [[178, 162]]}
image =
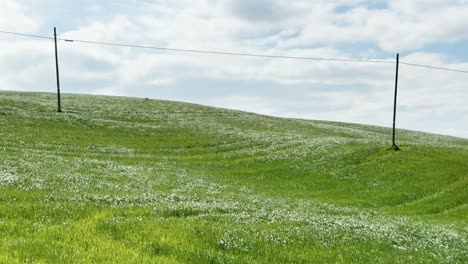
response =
{"points": [[132, 180]]}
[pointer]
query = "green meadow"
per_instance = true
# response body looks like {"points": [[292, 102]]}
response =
{"points": [[133, 180]]}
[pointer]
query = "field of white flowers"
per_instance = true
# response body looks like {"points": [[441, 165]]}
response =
{"points": [[128, 180]]}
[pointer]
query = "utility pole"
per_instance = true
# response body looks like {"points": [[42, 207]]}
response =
{"points": [[59, 109], [394, 145]]}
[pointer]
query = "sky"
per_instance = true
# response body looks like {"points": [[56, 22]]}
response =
{"points": [[431, 32]]}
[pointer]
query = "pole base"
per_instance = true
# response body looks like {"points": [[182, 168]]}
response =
{"points": [[395, 148]]}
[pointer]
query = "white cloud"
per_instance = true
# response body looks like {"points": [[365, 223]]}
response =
{"points": [[13, 17], [404, 25]]}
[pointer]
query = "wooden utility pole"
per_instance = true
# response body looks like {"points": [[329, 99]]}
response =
{"points": [[59, 108], [394, 145]]}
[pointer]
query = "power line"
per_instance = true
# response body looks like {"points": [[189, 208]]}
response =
{"points": [[225, 53], [25, 35], [232, 53], [201, 51], [433, 67], [257, 55]]}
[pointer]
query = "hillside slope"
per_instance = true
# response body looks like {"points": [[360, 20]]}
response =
{"points": [[128, 180]]}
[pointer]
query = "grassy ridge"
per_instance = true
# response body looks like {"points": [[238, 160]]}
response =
{"points": [[125, 180]]}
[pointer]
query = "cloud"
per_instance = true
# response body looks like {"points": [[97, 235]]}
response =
{"points": [[259, 10], [404, 25], [13, 16]]}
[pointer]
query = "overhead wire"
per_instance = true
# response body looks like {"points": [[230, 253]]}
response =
{"points": [[25, 35], [225, 53], [433, 67], [233, 53]]}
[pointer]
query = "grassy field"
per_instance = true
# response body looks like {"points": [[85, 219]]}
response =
{"points": [[125, 180]]}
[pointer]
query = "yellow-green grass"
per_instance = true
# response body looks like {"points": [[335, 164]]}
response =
{"points": [[129, 180]]}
